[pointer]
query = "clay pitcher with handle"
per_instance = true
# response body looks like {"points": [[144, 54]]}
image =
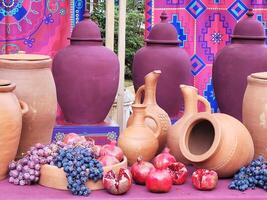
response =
{"points": [[11, 112], [191, 99], [138, 139], [148, 90]]}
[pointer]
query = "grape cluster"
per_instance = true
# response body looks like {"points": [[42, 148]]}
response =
{"points": [[26, 171], [80, 165], [252, 176]]}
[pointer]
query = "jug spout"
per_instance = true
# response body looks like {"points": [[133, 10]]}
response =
{"points": [[191, 99]]}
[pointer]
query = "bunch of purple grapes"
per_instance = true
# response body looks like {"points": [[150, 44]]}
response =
{"points": [[26, 171], [252, 176]]}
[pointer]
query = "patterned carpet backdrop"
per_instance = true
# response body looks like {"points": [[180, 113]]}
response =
{"points": [[37, 26], [204, 27]]}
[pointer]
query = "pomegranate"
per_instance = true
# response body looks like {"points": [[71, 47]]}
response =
{"points": [[164, 159], [97, 149], [140, 171], [178, 173], [204, 179], [108, 160], [117, 184], [112, 149], [159, 180], [73, 138]]}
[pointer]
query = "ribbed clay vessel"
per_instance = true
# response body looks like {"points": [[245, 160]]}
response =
{"points": [[138, 139], [216, 141], [11, 112], [148, 90], [86, 75], [246, 54], [255, 111], [191, 99], [162, 52], [35, 86]]}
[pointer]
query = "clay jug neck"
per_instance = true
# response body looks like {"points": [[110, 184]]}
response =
{"points": [[190, 95], [86, 42], [138, 114], [151, 81], [247, 41]]}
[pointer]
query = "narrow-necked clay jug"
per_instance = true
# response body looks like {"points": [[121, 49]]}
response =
{"points": [[191, 99], [138, 139], [11, 111], [35, 86], [255, 111], [153, 109], [216, 141]]}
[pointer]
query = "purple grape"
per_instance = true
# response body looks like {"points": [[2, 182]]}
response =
{"points": [[40, 152], [39, 146], [31, 164], [36, 179], [32, 177], [37, 173], [37, 166], [12, 165], [22, 182], [11, 179], [19, 167], [31, 171], [14, 173], [26, 176], [26, 168], [16, 181]]}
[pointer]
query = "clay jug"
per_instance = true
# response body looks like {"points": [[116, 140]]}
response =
{"points": [[216, 141], [35, 86], [162, 52], [11, 111], [191, 99], [153, 109], [246, 54], [138, 139], [86, 75], [255, 111]]}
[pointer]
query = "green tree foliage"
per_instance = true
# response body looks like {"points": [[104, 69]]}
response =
{"points": [[134, 28]]}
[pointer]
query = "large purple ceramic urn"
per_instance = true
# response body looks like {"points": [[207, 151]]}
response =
{"points": [[163, 53], [246, 54], [86, 75]]}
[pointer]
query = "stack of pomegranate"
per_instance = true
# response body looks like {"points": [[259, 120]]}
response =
{"points": [[166, 171]]}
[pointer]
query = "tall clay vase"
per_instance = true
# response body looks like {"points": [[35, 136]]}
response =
{"points": [[246, 54], [11, 111], [153, 109], [162, 52], [216, 141], [35, 86], [191, 99], [86, 75], [255, 111], [138, 139]]}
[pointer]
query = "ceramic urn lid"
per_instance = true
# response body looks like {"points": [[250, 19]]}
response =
{"points": [[163, 32], [249, 28]]}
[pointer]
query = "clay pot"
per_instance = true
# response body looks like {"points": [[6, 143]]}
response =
{"points": [[153, 109], [54, 177], [247, 54], [138, 139], [11, 111], [191, 99], [35, 86], [163, 53], [255, 111], [86, 75], [214, 141]]}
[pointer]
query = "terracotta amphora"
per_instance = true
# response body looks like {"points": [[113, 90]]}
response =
{"points": [[255, 111], [191, 99], [11, 111], [138, 139], [153, 109], [35, 86], [216, 141]]}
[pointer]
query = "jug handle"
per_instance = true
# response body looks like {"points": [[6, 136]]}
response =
{"points": [[138, 94], [24, 107], [157, 132], [205, 102]]}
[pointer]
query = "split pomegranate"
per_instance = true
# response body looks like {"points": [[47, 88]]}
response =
{"points": [[178, 173], [113, 150], [204, 179], [159, 180], [73, 138], [164, 159], [108, 160], [117, 184], [140, 171]]}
